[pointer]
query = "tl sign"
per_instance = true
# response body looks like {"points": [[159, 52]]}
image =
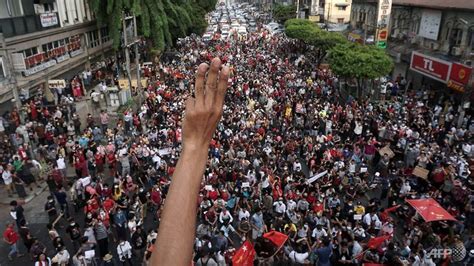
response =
{"points": [[455, 75]]}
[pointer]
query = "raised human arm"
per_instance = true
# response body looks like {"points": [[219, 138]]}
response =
{"points": [[174, 244]]}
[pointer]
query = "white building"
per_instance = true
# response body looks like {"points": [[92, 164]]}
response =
{"points": [[46, 39]]}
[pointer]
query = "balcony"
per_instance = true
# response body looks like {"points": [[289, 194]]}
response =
{"points": [[28, 24]]}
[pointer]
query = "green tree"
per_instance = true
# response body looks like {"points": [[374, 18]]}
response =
{"points": [[308, 32], [362, 63], [282, 13], [162, 21]]}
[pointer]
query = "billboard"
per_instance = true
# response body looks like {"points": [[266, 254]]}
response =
{"points": [[455, 75], [383, 13], [459, 76], [435, 68], [430, 23]]}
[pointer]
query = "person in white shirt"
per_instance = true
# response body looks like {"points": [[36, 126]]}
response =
{"points": [[61, 165], [8, 180], [124, 251], [319, 232], [298, 257], [291, 205], [405, 189], [280, 207], [243, 214]]}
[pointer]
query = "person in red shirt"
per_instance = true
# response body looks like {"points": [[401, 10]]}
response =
{"points": [[11, 238]]}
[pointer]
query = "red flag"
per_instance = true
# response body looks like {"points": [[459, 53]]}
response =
{"points": [[245, 255], [375, 242], [385, 214], [277, 238], [430, 210]]}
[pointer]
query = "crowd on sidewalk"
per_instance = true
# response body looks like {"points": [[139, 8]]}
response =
{"points": [[289, 155]]}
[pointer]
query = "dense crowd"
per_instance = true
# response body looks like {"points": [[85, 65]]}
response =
{"points": [[290, 155]]}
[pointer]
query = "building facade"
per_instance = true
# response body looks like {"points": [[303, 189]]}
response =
{"points": [[436, 30], [337, 11], [42, 40]]}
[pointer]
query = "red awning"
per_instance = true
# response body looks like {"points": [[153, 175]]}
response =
{"points": [[430, 210]]}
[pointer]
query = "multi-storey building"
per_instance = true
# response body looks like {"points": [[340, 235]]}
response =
{"points": [[429, 39], [42, 40]]}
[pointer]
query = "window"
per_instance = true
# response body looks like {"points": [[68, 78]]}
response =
{"points": [[66, 11], [341, 7], [456, 37], [104, 33], [93, 38], [2, 71], [14, 8], [48, 7], [340, 20], [30, 52], [471, 39]]}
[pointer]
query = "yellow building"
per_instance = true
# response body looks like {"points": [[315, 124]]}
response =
{"points": [[337, 11]]}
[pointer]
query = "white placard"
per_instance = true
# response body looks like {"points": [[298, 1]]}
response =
{"points": [[164, 151], [383, 14], [89, 254], [208, 187], [48, 19], [363, 169], [430, 24], [357, 217], [245, 184], [316, 177]]}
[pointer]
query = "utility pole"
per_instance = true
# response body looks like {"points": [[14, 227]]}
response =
{"points": [[137, 61], [297, 8], [127, 50]]}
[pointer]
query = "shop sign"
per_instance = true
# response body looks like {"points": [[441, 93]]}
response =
{"points": [[459, 77], [56, 83], [62, 58], [48, 19], [434, 68], [38, 68], [76, 52], [383, 14]]}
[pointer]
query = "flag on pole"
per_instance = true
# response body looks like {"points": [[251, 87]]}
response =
{"points": [[276, 238], [375, 242], [245, 255]]}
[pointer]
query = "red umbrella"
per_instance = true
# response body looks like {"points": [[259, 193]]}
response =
{"points": [[430, 210]]}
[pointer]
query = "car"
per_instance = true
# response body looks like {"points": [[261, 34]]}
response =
{"points": [[207, 37], [370, 39]]}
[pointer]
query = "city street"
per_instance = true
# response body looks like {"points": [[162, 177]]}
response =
{"points": [[221, 132]]}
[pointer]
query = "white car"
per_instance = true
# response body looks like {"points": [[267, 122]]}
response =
{"points": [[207, 37], [242, 30]]}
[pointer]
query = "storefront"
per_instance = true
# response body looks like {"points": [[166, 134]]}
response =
{"points": [[440, 75]]}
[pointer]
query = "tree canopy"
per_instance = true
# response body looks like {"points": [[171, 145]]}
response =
{"points": [[353, 60], [162, 21], [309, 33], [282, 13]]}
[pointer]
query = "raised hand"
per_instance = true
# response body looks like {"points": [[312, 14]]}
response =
{"points": [[205, 109]]}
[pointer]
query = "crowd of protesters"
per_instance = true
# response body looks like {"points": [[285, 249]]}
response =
{"points": [[289, 155]]}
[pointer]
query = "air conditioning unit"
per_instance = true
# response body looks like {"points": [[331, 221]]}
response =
{"points": [[434, 46], [456, 51]]}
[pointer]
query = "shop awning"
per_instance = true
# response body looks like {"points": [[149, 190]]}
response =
{"points": [[341, 4], [430, 210]]}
